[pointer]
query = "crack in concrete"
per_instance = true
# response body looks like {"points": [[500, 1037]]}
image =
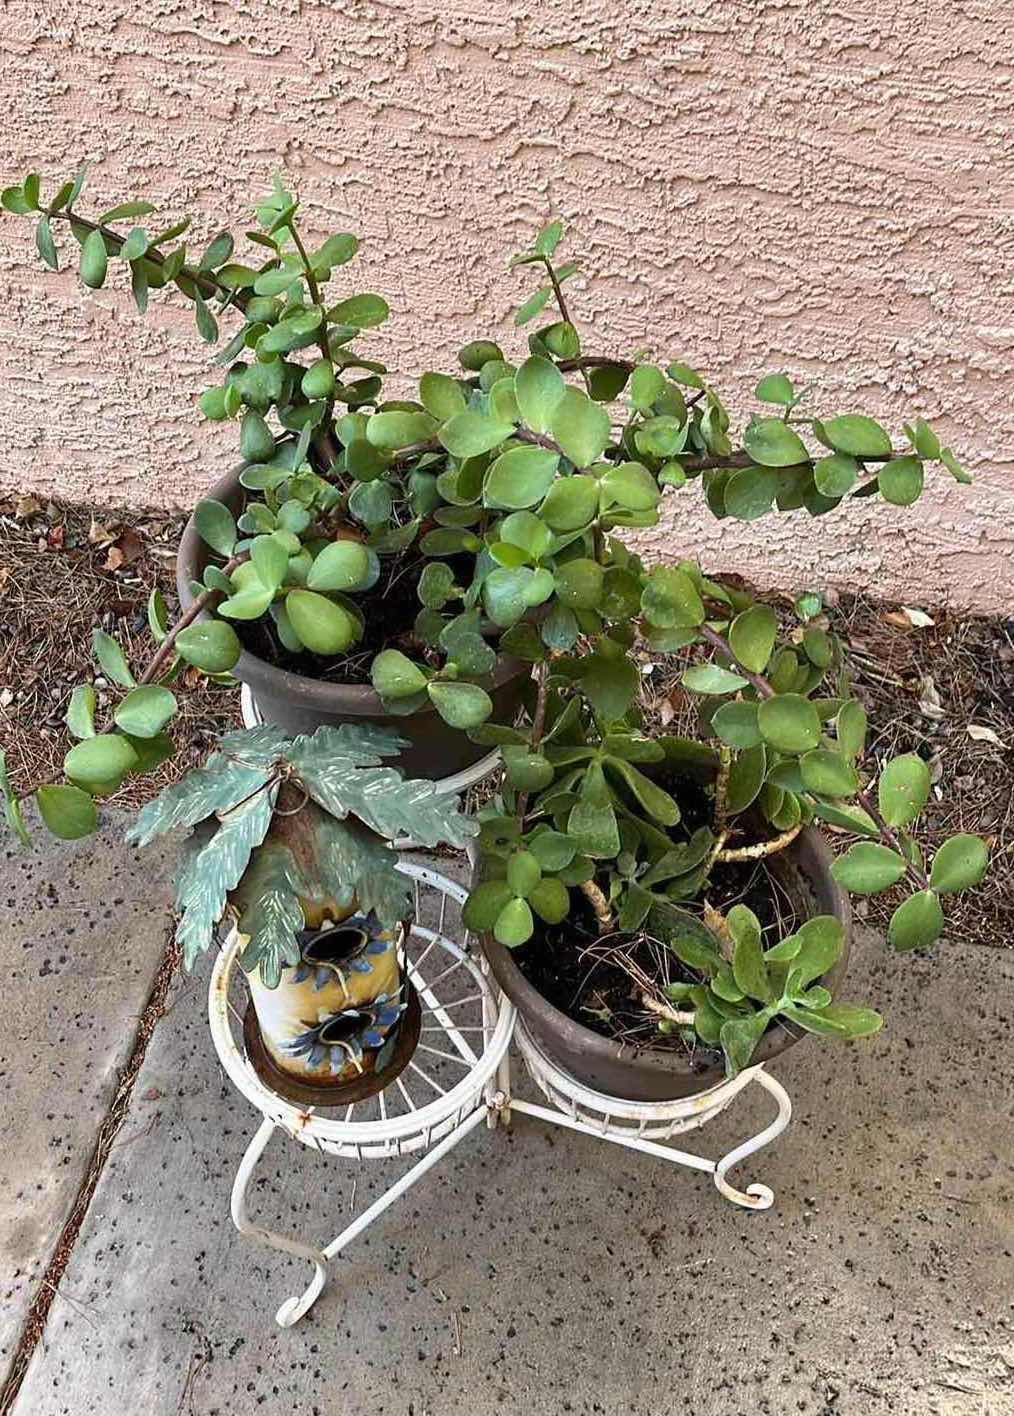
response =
{"points": [[48, 1286]]}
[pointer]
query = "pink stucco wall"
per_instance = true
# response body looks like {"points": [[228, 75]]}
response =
{"points": [[827, 188]]}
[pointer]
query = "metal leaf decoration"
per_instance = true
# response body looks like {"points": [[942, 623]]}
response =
{"points": [[218, 867], [214, 788], [355, 859], [366, 744], [324, 846], [273, 917], [383, 801]]}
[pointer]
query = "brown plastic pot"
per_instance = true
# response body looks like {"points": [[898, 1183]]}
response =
{"points": [[652, 1074], [301, 705]]}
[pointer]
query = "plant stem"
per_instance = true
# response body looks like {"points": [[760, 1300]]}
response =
{"points": [[765, 690], [762, 848], [206, 599], [599, 904], [704, 463], [327, 442], [206, 283], [722, 784], [594, 361], [565, 314], [538, 727], [715, 851], [664, 1010], [723, 646]]}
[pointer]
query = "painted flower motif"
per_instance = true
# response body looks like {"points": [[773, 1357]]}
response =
{"points": [[328, 953], [343, 1037]]}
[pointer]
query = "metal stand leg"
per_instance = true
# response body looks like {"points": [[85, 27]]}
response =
{"points": [[756, 1196], [503, 1082], [431, 1158], [293, 1308], [464, 1015], [644, 1126]]}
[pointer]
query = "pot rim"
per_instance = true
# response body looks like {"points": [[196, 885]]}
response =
{"points": [[358, 700], [810, 844]]}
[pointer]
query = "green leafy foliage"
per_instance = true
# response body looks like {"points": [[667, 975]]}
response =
{"points": [[745, 986], [211, 645], [67, 811], [144, 712], [772, 443], [100, 764], [867, 868], [903, 790], [789, 722], [498, 498], [959, 864]]}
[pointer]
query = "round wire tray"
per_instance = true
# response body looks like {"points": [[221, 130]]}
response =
{"points": [[466, 1030], [612, 1116]]}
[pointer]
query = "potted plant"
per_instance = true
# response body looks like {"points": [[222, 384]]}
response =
{"points": [[305, 561], [661, 910], [664, 911]]}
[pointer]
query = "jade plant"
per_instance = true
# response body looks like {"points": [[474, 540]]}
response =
{"points": [[501, 494]]}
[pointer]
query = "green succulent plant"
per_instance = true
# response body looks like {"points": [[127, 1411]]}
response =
{"points": [[507, 486], [746, 987]]}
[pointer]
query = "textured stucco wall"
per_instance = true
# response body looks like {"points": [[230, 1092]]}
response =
{"points": [[827, 187]]}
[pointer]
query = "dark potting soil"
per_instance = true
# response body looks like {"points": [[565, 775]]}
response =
{"points": [[564, 961]]}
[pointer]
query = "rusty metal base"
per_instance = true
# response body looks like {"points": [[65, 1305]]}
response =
{"points": [[334, 1093]]}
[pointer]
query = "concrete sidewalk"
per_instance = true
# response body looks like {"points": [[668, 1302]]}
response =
{"points": [[540, 1271], [83, 929]]}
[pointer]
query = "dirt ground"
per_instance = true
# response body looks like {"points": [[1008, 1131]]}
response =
{"points": [[934, 683]]}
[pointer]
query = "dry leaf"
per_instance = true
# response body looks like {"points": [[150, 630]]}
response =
{"points": [[55, 537], [908, 619], [100, 535], [130, 545], [127, 549], [27, 507], [919, 618], [978, 732], [929, 700], [666, 712], [719, 926]]}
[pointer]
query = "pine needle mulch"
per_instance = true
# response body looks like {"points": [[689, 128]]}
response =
{"points": [[64, 572]]}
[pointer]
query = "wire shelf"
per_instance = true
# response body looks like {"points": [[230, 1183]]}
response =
{"points": [[466, 1029]]}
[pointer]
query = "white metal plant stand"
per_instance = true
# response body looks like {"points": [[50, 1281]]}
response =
{"points": [[448, 1089], [458, 1077], [642, 1126]]}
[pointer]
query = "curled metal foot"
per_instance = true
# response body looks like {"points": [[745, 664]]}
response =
{"points": [[293, 1308], [756, 1197]]}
